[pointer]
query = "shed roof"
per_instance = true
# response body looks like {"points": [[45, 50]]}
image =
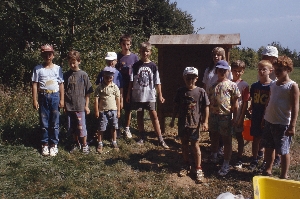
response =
{"points": [[192, 39]]}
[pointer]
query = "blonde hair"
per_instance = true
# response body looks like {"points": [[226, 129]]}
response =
{"points": [[219, 51], [238, 64], [265, 63]]}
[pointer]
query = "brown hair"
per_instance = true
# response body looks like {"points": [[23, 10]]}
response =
{"points": [[125, 37], [238, 64], [284, 62], [145, 45], [218, 51], [74, 55]]}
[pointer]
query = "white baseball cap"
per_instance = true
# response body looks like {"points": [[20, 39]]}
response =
{"points": [[111, 56], [190, 70], [270, 51]]}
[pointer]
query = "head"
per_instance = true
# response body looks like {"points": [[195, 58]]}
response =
{"points": [[73, 59], [222, 68], [237, 69], [111, 59], [47, 53], [264, 68], [270, 53], [108, 74], [190, 76], [125, 42], [145, 51], [218, 53], [283, 64]]}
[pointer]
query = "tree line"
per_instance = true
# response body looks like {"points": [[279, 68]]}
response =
{"points": [[91, 27]]}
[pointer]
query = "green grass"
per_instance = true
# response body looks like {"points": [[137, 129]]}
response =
{"points": [[133, 172]]}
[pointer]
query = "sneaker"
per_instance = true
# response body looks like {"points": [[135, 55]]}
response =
{"points": [[128, 133], [260, 155], [85, 149], [140, 142], [115, 146], [238, 164], [100, 148], [253, 165], [53, 150], [262, 167], [199, 176], [45, 150], [276, 163], [75, 147], [163, 144], [224, 170], [184, 171], [221, 152]]}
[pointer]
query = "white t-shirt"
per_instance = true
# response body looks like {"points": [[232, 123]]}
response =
{"points": [[48, 78], [210, 77]]}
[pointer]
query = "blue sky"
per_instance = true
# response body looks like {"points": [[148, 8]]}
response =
{"points": [[259, 22]]}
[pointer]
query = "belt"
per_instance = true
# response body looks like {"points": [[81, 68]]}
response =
{"points": [[47, 91]]}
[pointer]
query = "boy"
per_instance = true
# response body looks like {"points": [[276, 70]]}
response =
{"points": [[111, 61], [77, 92], [125, 61], [238, 69], [223, 97], [107, 107], [281, 116], [259, 93], [145, 83], [192, 104], [48, 97]]}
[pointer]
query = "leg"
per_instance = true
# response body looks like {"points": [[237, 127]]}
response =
{"points": [[255, 146], [285, 164], [100, 135], [155, 122], [185, 150], [269, 157], [44, 115], [214, 141], [54, 118], [127, 118], [240, 140], [197, 153], [227, 140], [140, 120]]}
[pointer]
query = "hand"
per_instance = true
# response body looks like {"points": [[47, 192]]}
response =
{"points": [[161, 99], [128, 99], [97, 114], [61, 104], [204, 127], [121, 104], [118, 113], [171, 124], [87, 110], [290, 131], [36, 104]]}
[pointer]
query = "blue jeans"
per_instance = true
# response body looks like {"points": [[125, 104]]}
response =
{"points": [[49, 117]]}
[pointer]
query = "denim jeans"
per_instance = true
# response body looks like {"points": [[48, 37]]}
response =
{"points": [[49, 117]]}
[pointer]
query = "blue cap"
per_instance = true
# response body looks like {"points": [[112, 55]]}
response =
{"points": [[109, 71], [223, 64]]}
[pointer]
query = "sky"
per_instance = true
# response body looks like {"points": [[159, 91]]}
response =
{"points": [[259, 22]]}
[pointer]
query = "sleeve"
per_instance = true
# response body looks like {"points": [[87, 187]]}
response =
{"points": [[88, 86], [156, 76], [60, 75], [120, 80], [246, 94], [97, 93], [117, 91], [204, 80], [34, 77]]}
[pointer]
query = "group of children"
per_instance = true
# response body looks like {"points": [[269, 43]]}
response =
{"points": [[134, 84]]}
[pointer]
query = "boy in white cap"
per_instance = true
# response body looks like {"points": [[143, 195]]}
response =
{"points": [[270, 53], [192, 106], [223, 96], [107, 107]]}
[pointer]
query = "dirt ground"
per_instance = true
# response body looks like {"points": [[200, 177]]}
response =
{"points": [[237, 181]]}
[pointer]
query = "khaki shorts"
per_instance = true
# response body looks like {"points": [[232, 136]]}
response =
{"points": [[220, 123]]}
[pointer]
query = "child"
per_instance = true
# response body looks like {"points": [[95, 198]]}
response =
{"points": [[192, 104], [145, 83], [111, 61], [210, 77], [107, 107], [270, 53], [125, 61], [223, 97], [281, 116], [77, 92], [259, 93], [48, 96], [238, 69]]}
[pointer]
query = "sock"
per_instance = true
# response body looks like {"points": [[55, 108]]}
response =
{"points": [[199, 168], [100, 143], [260, 153], [160, 138], [114, 142], [127, 127]]}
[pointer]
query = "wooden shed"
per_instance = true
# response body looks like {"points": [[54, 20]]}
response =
{"points": [[175, 52]]}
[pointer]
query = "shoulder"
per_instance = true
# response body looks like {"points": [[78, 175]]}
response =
{"points": [[38, 67]]}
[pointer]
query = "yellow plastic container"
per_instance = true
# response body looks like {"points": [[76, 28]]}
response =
{"points": [[246, 132], [272, 188]]}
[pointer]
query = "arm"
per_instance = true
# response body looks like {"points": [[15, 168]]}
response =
{"points": [[243, 113], [96, 107], [234, 109], [61, 95], [118, 106], [159, 93], [34, 95], [205, 119], [87, 101], [121, 98], [175, 111], [129, 91], [294, 111]]}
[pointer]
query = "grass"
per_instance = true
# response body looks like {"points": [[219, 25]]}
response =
{"points": [[133, 172]]}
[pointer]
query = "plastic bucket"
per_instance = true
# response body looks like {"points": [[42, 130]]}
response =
{"points": [[246, 132]]}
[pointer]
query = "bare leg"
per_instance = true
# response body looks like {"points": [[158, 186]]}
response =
{"points": [[227, 140], [113, 134], [269, 157], [240, 140], [215, 136], [185, 150], [155, 122], [140, 121], [100, 136], [285, 164], [255, 146], [197, 153], [127, 118]]}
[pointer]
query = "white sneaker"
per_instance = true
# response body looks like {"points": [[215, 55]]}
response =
{"points": [[128, 133], [45, 150], [53, 150], [85, 149]]}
